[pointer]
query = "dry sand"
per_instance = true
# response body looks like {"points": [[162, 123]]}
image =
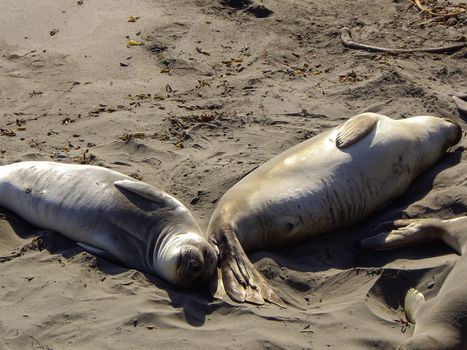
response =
{"points": [[214, 92]]}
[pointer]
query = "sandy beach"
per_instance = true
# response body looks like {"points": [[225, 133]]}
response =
{"points": [[190, 96]]}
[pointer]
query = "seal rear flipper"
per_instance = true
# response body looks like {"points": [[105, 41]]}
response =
{"points": [[99, 252], [216, 287], [355, 129], [241, 280], [146, 191], [413, 301]]}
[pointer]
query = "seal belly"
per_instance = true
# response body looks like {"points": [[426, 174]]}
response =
{"points": [[325, 188]]}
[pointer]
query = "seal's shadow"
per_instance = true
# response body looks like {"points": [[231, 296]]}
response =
{"points": [[196, 303]]}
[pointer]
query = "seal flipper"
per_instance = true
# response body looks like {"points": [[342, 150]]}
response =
{"points": [[355, 129], [413, 301], [407, 232], [240, 278], [216, 286], [413, 231], [146, 191], [99, 252]]}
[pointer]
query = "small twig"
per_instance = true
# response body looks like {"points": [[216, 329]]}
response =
{"points": [[40, 346], [349, 43]]}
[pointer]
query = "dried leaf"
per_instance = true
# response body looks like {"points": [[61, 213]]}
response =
{"points": [[133, 19], [134, 43]]}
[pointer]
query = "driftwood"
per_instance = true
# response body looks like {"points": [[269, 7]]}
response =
{"points": [[349, 43]]}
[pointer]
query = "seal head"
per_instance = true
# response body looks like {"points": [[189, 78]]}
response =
{"points": [[185, 259], [196, 264]]}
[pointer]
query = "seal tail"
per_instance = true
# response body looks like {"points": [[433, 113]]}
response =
{"points": [[409, 232]]}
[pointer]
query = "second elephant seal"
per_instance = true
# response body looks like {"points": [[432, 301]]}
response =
{"points": [[440, 322], [111, 215], [328, 182]]}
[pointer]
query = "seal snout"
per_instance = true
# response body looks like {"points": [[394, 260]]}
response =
{"points": [[194, 264], [197, 263]]}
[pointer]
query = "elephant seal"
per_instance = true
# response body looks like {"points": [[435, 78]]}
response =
{"points": [[441, 322], [111, 215], [325, 183]]}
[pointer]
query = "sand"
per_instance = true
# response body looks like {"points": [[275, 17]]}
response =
{"points": [[218, 88]]}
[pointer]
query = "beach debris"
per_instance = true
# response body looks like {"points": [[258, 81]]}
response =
{"points": [[204, 52], [347, 41], [124, 64], [132, 42], [133, 19], [20, 122], [130, 136], [431, 8], [85, 158], [35, 343], [137, 176], [156, 47], [67, 121], [80, 2], [7, 132], [35, 93], [350, 77], [54, 31]]}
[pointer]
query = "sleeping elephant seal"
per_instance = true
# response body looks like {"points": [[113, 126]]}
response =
{"points": [[441, 322], [113, 216], [325, 183]]}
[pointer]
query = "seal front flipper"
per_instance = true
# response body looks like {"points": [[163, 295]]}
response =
{"points": [[99, 252], [241, 280], [146, 191], [355, 129]]}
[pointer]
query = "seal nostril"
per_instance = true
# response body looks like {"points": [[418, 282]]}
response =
{"points": [[194, 265]]}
